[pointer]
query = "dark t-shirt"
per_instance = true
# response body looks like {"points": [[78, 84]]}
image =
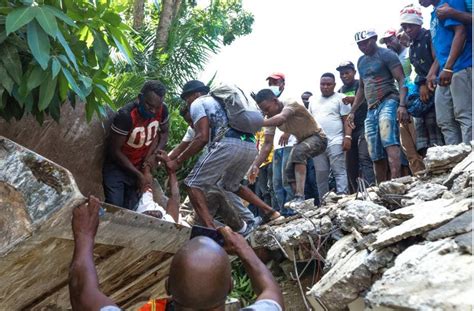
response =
{"points": [[361, 113], [421, 56], [375, 72], [140, 132]]}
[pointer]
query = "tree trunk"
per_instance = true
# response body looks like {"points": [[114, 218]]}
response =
{"points": [[168, 8], [138, 14]]}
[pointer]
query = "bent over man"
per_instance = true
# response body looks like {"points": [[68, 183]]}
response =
{"points": [[138, 129]]}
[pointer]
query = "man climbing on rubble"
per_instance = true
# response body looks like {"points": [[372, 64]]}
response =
{"points": [[200, 261], [241, 219], [230, 154], [293, 118], [138, 129]]}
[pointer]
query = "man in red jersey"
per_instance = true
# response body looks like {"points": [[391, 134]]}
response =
{"points": [[139, 128]]}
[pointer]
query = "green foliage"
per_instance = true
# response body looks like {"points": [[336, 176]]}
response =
{"points": [[242, 289], [54, 50]]}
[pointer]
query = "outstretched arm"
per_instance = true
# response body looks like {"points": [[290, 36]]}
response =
{"points": [[84, 289], [262, 279], [278, 119]]}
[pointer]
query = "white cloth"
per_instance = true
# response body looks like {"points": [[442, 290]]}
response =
{"points": [[328, 112], [146, 204], [276, 139]]}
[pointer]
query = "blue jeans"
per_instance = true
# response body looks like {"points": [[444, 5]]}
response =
{"points": [[382, 129], [281, 187], [310, 187]]}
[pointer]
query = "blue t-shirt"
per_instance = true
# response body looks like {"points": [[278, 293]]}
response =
{"points": [[376, 73], [207, 106], [468, 5], [442, 34]]}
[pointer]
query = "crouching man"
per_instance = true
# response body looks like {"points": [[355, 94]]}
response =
{"points": [[293, 118]]}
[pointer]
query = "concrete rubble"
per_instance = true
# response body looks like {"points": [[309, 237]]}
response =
{"points": [[406, 244]]}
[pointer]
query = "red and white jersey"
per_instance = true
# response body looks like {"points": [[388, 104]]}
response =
{"points": [[140, 132]]}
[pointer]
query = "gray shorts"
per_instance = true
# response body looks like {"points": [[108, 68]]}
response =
{"points": [[225, 165], [302, 151]]}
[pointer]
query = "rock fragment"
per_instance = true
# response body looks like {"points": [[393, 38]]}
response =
{"points": [[444, 158], [460, 224], [364, 216]]}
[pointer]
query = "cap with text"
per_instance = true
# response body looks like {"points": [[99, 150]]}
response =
{"points": [[364, 35]]}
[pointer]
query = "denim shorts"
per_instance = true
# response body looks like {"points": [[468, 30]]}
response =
{"points": [[382, 128]]}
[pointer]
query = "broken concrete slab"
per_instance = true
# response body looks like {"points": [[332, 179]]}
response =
{"points": [[460, 224], [339, 250], [428, 276], [343, 283], [464, 241], [364, 216], [426, 216], [443, 158], [391, 187], [426, 191], [466, 165]]}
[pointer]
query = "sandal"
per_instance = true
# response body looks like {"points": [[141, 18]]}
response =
{"points": [[271, 216]]}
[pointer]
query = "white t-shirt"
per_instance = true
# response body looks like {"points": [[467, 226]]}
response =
{"points": [[189, 135], [328, 112], [276, 140]]}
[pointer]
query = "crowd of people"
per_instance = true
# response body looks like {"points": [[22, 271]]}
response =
{"points": [[414, 94]]}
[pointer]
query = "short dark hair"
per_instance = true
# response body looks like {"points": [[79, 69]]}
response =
{"points": [[265, 94], [328, 75], [308, 93], [154, 86]]}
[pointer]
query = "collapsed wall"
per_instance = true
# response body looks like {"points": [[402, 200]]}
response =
{"points": [[406, 244]]}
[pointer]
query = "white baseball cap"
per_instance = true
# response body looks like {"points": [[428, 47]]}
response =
{"points": [[364, 35]]}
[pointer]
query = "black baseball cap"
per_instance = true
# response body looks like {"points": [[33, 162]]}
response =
{"points": [[345, 65], [194, 86]]}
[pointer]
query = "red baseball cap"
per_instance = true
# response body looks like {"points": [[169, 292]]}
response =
{"points": [[387, 34], [277, 76]]}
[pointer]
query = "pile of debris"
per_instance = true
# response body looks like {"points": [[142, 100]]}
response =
{"points": [[404, 244]]}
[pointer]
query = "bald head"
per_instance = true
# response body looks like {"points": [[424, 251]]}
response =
{"points": [[200, 275]]}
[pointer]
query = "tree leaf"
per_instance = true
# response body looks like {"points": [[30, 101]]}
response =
{"points": [[38, 42], [68, 50], [5, 80], [59, 14], [46, 93], [19, 17], [11, 61], [47, 21], [56, 67], [73, 84], [100, 47], [35, 78], [3, 36], [63, 87]]}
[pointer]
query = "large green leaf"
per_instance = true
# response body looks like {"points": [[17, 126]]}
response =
{"points": [[47, 21], [55, 67], [36, 77], [20, 17], [63, 87], [59, 14], [100, 47], [3, 36], [11, 61], [38, 42], [46, 93], [68, 50], [5, 80], [73, 83]]}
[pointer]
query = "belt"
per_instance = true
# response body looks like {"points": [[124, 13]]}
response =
{"points": [[378, 102], [233, 133]]}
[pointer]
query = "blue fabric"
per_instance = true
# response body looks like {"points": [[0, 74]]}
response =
{"points": [[282, 190], [415, 106], [442, 34], [468, 5], [382, 129]]}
